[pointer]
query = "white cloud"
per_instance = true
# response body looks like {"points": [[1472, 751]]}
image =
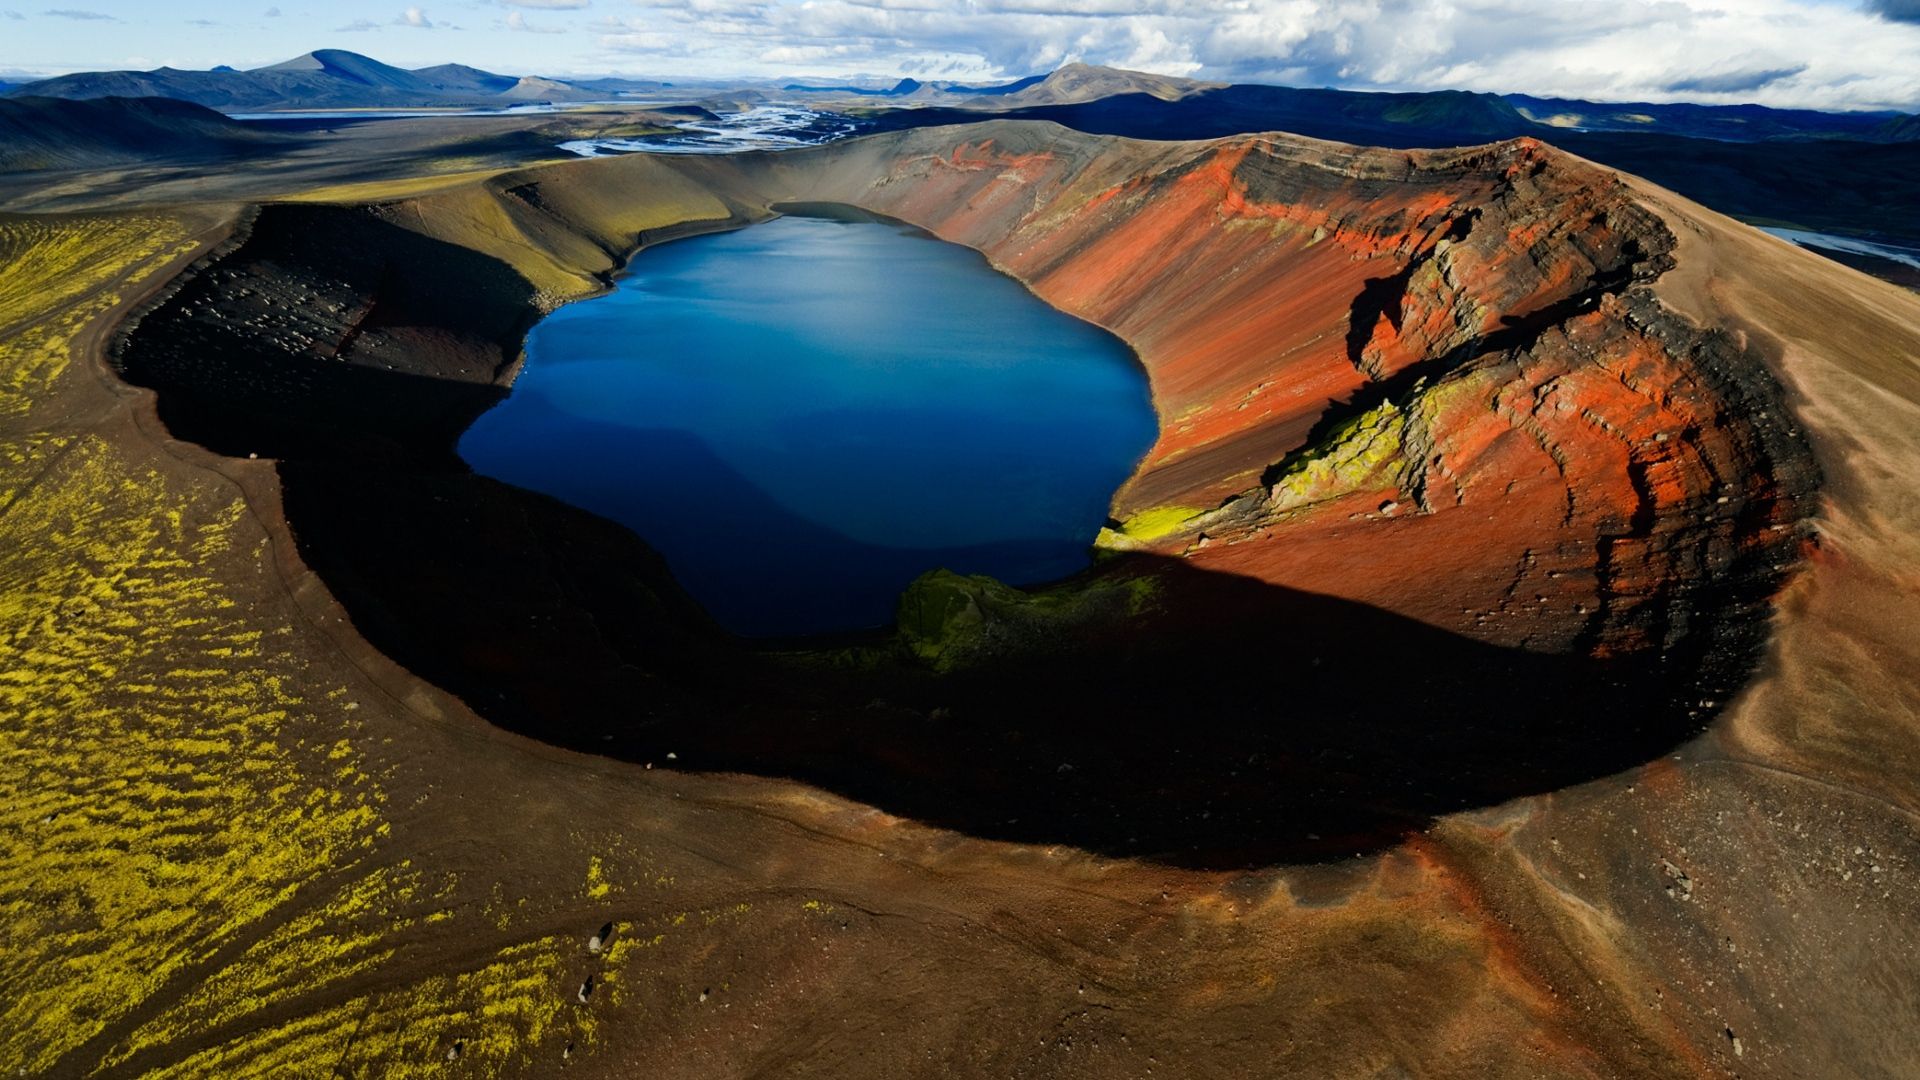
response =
{"points": [[548, 5], [517, 21], [1815, 53], [414, 17]]}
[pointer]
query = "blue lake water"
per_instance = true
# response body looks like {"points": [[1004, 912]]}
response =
{"points": [[805, 415]]}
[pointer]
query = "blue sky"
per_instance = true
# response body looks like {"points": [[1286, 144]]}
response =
{"points": [[1813, 53]]}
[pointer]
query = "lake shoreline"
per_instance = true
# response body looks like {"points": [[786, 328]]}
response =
{"points": [[880, 472]]}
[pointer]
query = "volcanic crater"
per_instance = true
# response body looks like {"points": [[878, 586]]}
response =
{"points": [[1446, 506]]}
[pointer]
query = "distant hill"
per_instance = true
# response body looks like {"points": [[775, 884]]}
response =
{"points": [[323, 79], [1728, 123], [52, 133], [1114, 101], [997, 90], [620, 86], [459, 78], [1075, 83], [535, 88], [1900, 129], [838, 88], [1158, 107], [1071, 84], [1204, 111]]}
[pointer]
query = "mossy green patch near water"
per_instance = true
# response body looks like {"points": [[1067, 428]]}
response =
{"points": [[948, 620]]}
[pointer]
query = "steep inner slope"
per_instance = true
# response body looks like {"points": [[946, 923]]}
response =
{"points": [[1465, 336], [1420, 416]]}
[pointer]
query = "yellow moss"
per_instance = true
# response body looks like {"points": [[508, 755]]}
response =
{"points": [[513, 1012], [1357, 454], [55, 278], [45, 263], [597, 884], [150, 811], [188, 838], [309, 953], [389, 190], [1147, 525]]}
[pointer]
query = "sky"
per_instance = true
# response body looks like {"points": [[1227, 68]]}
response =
{"points": [[1842, 54]]}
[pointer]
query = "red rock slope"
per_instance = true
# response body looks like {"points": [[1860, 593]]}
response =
{"points": [[1431, 381]]}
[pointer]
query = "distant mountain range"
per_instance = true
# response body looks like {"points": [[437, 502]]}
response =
{"points": [[1729, 123], [1151, 106], [1103, 99], [1434, 118], [324, 79], [912, 88], [337, 79], [1070, 84]]}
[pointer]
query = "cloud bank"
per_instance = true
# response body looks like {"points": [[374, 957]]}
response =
{"points": [[1816, 53]]}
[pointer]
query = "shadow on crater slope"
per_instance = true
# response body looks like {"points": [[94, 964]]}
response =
{"points": [[1148, 707]]}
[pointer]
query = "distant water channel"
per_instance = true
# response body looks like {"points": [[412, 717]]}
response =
{"points": [[804, 415], [1851, 245], [763, 127]]}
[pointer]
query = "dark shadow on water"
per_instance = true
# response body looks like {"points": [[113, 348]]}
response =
{"points": [[822, 580]]}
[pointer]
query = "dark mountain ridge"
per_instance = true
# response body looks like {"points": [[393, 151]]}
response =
{"points": [[1436, 118], [324, 78], [1728, 123]]}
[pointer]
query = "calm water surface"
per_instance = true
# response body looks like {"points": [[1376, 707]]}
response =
{"points": [[805, 415]]}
